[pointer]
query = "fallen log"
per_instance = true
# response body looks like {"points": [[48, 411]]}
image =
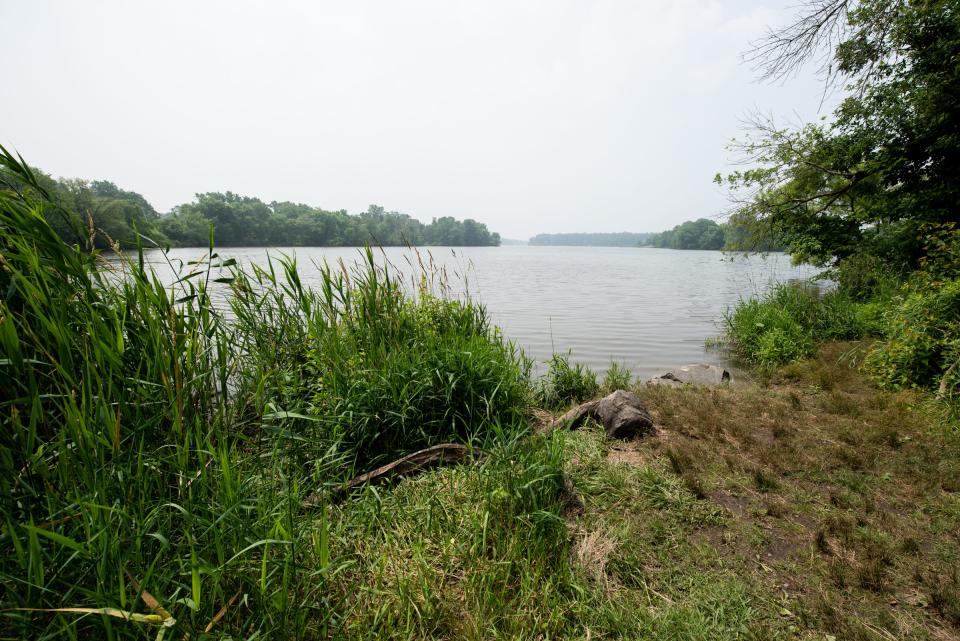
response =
{"points": [[409, 465], [621, 413]]}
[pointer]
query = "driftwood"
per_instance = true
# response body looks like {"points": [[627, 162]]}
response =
{"points": [[575, 417], [409, 465], [693, 374], [945, 380]]}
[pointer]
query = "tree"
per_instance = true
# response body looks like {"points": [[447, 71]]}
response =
{"points": [[888, 165], [702, 233]]}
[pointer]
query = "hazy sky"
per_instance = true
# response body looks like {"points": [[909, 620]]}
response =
{"points": [[531, 116]]}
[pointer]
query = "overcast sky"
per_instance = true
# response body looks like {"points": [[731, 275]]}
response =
{"points": [[547, 116]]}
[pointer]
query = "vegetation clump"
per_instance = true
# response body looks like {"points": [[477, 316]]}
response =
{"points": [[565, 383], [157, 450], [618, 376], [784, 324], [912, 321]]}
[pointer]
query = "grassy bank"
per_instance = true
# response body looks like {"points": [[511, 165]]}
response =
{"points": [[911, 320], [167, 471], [156, 452]]}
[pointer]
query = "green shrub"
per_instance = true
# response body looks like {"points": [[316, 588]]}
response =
{"points": [[771, 330], [423, 372], [864, 277], [565, 383], [922, 338], [871, 317], [617, 377], [784, 324], [783, 344]]}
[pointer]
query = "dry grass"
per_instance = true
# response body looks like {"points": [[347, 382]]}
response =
{"points": [[591, 552], [842, 498]]}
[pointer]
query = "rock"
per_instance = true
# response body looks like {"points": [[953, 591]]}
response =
{"points": [[666, 380], [623, 415], [695, 374]]}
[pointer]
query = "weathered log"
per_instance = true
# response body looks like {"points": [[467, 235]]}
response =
{"points": [[409, 465], [621, 413]]}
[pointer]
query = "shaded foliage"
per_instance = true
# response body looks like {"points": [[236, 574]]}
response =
{"points": [[92, 214], [702, 233], [889, 161]]}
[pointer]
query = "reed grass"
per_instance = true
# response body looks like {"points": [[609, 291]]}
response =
{"points": [[156, 449]]}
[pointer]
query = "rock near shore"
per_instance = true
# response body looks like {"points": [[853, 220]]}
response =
{"points": [[694, 374]]}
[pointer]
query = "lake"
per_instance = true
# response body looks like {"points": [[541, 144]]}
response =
{"points": [[649, 309]]}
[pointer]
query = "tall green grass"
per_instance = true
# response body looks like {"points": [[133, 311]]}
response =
{"points": [[155, 450], [565, 383], [784, 324], [913, 322]]}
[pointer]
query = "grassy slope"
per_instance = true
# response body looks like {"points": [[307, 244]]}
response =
{"points": [[814, 507]]}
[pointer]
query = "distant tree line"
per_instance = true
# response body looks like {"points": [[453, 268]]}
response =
{"points": [[616, 239], [244, 221], [118, 215], [704, 233]]}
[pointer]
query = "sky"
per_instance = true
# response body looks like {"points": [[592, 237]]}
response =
{"points": [[533, 116]]}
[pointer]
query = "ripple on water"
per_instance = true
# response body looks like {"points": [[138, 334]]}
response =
{"points": [[649, 309]]}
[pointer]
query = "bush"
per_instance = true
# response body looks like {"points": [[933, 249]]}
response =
{"points": [[922, 338], [771, 330], [617, 377], [565, 383], [871, 317], [864, 277], [783, 344], [784, 324], [412, 373]]}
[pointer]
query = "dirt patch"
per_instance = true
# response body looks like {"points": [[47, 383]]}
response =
{"points": [[627, 457], [764, 437], [780, 546], [807, 522], [738, 506]]}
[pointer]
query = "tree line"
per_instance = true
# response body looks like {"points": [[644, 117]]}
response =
{"points": [[704, 233], [244, 221], [615, 239], [100, 214]]}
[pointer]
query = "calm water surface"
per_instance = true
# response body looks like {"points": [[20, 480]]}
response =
{"points": [[649, 309]]}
